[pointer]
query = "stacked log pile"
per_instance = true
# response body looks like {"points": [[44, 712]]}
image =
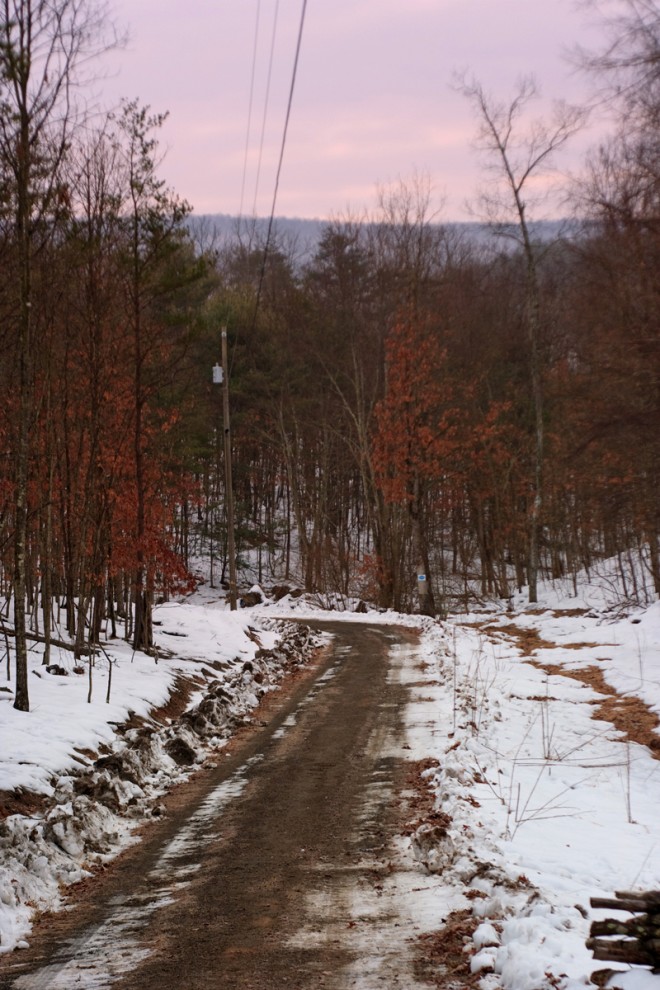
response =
{"points": [[634, 941]]}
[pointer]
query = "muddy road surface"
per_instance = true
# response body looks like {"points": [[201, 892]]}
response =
{"points": [[275, 869]]}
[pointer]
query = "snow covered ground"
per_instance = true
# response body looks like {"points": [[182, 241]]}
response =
{"points": [[545, 805]]}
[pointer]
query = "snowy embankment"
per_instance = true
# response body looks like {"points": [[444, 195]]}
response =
{"points": [[90, 772], [542, 804]]}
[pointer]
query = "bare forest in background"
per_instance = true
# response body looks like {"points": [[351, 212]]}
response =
{"points": [[404, 396]]}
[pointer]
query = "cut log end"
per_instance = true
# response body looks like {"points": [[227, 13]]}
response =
{"points": [[602, 976]]}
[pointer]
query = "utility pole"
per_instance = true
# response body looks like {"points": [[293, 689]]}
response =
{"points": [[221, 375]]}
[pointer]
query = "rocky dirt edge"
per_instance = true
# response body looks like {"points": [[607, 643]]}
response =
{"points": [[94, 810]]}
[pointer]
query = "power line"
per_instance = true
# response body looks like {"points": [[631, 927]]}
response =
{"points": [[279, 164], [266, 100], [249, 120]]}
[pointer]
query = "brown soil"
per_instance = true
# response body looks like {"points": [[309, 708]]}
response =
{"points": [[527, 640], [628, 714], [632, 717], [177, 702], [444, 962], [442, 959], [420, 807], [21, 803]]}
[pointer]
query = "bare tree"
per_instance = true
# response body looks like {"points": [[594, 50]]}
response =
{"points": [[44, 47], [622, 194], [628, 65], [519, 154]]}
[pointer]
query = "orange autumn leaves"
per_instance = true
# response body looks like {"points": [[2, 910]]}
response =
{"points": [[432, 427]]}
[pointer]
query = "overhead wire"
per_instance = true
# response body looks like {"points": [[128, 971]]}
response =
{"points": [[251, 101], [266, 102], [279, 165]]}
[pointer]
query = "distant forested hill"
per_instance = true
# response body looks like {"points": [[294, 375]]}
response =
{"points": [[301, 236]]}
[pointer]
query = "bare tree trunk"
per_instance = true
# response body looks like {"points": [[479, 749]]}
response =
{"points": [[521, 159], [421, 552]]}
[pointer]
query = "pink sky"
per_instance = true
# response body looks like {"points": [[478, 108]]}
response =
{"points": [[373, 101]]}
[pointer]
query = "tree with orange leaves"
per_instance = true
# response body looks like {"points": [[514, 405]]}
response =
{"points": [[413, 431]]}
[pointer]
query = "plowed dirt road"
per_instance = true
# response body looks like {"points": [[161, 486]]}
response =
{"points": [[274, 870]]}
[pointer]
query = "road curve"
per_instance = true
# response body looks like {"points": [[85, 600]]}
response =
{"points": [[272, 868]]}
